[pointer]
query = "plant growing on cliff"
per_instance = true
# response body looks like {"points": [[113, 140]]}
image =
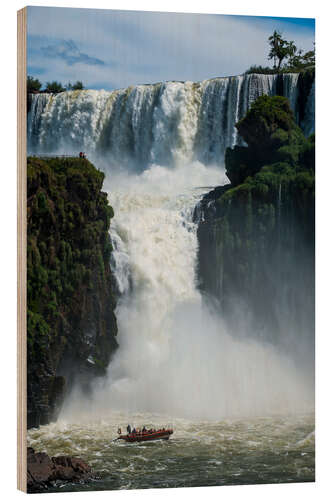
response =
{"points": [[280, 49], [70, 290], [271, 134], [257, 235], [33, 84], [287, 58], [78, 85], [54, 87]]}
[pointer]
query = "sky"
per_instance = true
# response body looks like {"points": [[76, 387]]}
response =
{"points": [[111, 49]]}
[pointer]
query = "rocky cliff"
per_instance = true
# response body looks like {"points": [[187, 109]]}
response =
{"points": [[256, 235], [70, 291]]}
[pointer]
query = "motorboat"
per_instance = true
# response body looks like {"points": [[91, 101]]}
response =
{"points": [[146, 435]]}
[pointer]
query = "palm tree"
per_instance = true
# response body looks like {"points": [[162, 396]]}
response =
{"points": [[280, 48]]}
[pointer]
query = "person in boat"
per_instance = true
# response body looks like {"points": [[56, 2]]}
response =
{"points": [[119, 431], [134, 430], [144, 429], [128, 429]]}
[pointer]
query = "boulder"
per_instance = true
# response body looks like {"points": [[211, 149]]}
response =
{"points": [[43, 470]]}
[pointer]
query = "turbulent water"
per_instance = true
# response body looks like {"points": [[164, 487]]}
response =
{"points": [[242, 411], [205, 453], [168, 123]]}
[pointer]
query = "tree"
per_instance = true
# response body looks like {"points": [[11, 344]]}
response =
{"points": [[54, 87], [33, 84], [271, 135], [283, 49], [280, 48], [309, 57], [78, 85], [291, 49]]}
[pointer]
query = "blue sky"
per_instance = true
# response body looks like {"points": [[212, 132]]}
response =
{"points": [[112, 49]]}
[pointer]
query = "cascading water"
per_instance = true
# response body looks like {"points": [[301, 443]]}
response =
{"points": [[162, 147], [167, 124], [176, 356]]}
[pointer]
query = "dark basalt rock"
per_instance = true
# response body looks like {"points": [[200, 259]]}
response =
{"points": [[304, 84], [256, 235], [71, 294], [42, 470]]}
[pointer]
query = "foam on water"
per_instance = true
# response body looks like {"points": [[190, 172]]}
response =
{"points": [[251, 451]]}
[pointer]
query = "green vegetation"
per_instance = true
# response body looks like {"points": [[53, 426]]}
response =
{"points": [[69, 283], [272, 136], [54, 87], [33, 84], [281, 50], [278, 154], [257, 245], [78, 85], [263, 70]]}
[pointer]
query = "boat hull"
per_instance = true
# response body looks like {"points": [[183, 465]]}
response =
{"points": [[149, 436]]}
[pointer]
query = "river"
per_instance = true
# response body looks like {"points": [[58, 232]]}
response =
{"points": [[228, 452]]}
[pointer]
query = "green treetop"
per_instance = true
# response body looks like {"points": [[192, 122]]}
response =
{"points": [[54, 87], [33, 84], [271, 135]]}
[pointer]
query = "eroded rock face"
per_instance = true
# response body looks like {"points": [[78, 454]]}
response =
{"points": [[256, 235], [42, 470], [71, 323]]}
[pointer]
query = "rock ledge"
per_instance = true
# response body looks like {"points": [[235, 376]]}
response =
{"points": [[42, 470]]}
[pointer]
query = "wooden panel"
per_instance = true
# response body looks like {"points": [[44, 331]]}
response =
{"points": [[22, 249]]}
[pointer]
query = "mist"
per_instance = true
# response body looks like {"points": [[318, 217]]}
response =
{"points": [[162, 148], [177, 355]]}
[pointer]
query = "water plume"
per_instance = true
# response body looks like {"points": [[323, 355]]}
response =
{"points": [[176, 355]]}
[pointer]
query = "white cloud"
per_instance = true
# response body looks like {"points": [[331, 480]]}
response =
{"points": [[142, 47]]}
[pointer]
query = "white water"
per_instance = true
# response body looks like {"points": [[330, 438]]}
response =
{"points": [[201, 453], [176, 356], [162, 146], [169, 124]]}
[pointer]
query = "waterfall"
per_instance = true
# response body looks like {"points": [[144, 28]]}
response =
{"points": [[176, 356], [308, 123], [162, 147], [167, 124], [290, 89]]}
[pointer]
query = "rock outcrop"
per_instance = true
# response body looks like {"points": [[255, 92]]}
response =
{"points": [[256, 235], [70, 289], [43, 471]]}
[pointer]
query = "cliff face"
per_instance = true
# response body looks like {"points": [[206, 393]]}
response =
{"points": [[71, 323], [256, 235]]}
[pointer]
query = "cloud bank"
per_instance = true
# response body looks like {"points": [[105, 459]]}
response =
{"points": [[113, 49]]}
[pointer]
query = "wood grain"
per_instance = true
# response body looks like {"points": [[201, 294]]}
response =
{"points": [[22, 249]]}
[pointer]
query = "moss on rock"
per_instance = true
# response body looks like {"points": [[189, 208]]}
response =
{"points": [[256, 241], [70, 290]]}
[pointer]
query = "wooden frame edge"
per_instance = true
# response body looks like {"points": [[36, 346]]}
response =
{"points": [[22, 250]]}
